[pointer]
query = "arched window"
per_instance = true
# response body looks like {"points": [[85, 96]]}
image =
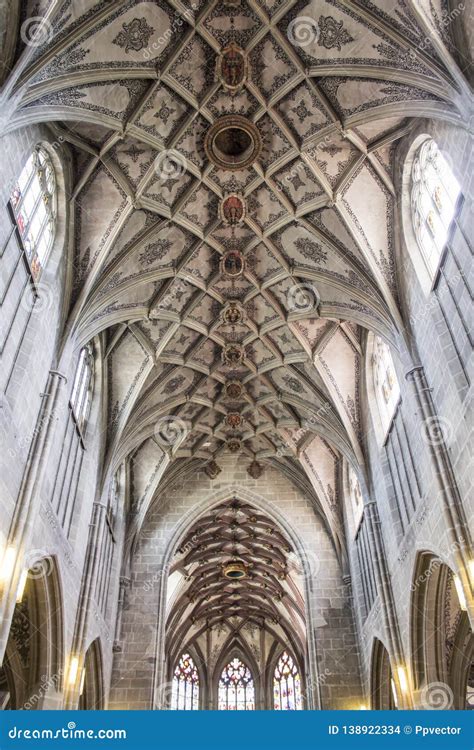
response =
{"points": [[82, 388], [33, 203], [357, 500], [185, 690], [236, 687], [287, 685], [387, 389], [435, 196]]}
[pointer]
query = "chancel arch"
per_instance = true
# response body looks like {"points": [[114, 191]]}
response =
{"points": [[33, 669], [442, 640]]}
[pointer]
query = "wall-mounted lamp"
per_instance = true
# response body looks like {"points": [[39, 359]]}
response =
{"points": [[362, 707]]}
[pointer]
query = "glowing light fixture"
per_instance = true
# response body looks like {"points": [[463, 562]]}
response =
{"points": [[460, 592], [394, 692], [83, 678], [362, 707], [402, 679], [8, 564], [73, 670], [21, 586]]}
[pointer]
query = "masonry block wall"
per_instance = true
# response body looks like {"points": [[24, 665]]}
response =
{"points": [[403, 476], [336, 674]]}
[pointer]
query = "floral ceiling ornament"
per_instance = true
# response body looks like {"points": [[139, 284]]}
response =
{"points": [[233, 354], [233, 389], [233, 264], [234, 420], [232, 209], [234, 445], [232, 67], [134, 35], [233, 313], [332, 34]]}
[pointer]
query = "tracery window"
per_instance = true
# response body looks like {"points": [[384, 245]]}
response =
{"points": [[33, 203], [236, 687], [387, 389], [82, 388], [357, 500], [287, 685], [185, 688], [435, 196]]}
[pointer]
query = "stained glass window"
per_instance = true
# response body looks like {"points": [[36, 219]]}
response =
{"points": [[185, 689], [357, 500], [33, 202], [82, 388], [287, 685], [434, 200], [387, 389], [236, 687]]}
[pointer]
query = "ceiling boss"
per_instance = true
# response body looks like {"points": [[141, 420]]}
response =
{"points": [[232, 67]]}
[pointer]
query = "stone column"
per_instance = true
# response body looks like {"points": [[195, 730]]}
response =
{"points": [[455, 516], [26, 508], [384, 588], [89, 578]]}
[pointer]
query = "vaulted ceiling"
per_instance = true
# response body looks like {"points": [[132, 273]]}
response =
{"points": [[270, 595], [331, 86]]}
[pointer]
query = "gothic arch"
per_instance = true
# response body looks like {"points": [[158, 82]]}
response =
{"points": [[237, 648], [381, 696], [92, 696], [34, 658], [442, 642]]}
